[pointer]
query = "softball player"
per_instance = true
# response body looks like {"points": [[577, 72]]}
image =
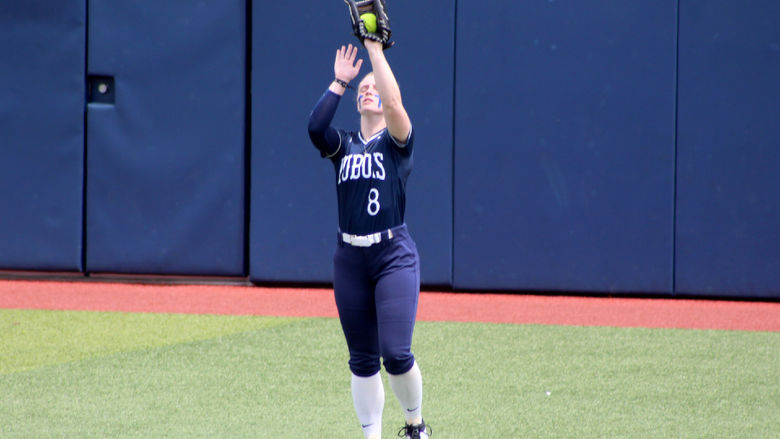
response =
{"points": [[376, 265]]}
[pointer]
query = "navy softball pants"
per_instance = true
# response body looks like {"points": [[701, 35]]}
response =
{"points": [[376, 291]]}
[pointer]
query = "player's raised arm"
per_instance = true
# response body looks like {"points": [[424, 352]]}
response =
{"points": [[371, 26], [323, 136], [398, 123]]}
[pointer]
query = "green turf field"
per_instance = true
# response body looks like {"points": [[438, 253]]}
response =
{"points": [[119, 375]]}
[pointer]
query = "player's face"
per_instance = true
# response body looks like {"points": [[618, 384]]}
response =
{"points": [[368, 100]]}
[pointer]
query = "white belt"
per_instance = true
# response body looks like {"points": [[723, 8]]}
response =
{"points": [[365, 240]]}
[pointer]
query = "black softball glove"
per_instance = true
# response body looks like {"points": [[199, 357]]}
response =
{"points": [[376, 7]]}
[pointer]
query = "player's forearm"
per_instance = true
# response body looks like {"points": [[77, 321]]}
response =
{"points": [[398, 123], [386, 83]]}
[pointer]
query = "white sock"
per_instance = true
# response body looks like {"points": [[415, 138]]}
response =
{"points": [[368, 395], [408, 389]]}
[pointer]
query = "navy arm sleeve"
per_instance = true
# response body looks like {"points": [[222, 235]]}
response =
{"points": [[326, 138]]}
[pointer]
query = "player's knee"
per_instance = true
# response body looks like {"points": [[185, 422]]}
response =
{"points": [[364, 366], [399, 363]]}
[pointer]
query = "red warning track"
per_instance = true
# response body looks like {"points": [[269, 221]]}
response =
{"points": [[459, 307]]}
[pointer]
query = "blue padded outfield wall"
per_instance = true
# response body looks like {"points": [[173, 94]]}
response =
{"points": [[564, 147], [292, 205], [41, 134], [728, 204], [601, 147], [165, 161]]}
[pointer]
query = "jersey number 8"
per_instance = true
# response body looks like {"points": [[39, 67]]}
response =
{"points": [[373, 201]]}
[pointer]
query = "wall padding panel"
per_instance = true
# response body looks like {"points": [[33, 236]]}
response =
{"points": [[564, 145], [42, 47], [728, 204], [166, 160]]}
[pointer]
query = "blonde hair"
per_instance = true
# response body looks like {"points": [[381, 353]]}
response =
{"points": [[371, 73]]}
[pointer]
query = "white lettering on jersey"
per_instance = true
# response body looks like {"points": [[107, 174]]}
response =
{"points": [[344, 169], [357, 162], [357, 166], [366, 169], [380, 169]]}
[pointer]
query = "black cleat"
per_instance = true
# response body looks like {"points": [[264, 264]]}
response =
{"points": [[418, 431]]}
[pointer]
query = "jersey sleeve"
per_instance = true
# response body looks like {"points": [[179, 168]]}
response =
{"points": [[324, 137]]}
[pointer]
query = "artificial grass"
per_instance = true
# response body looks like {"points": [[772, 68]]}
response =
{"points": [[36, 338], [262, 377]]}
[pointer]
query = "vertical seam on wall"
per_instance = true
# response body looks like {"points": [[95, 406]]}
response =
{"points": [[452, 180], [674, 164], [247, 132], [84, 150]]}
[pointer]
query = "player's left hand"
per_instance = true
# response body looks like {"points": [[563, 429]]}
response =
{"points": [[377, 7]]}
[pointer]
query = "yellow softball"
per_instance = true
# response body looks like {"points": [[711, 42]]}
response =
{"points": [[369, 20]]}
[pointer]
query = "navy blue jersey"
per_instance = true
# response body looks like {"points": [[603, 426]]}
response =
{"points": [[371, 179], [370, 174]]}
